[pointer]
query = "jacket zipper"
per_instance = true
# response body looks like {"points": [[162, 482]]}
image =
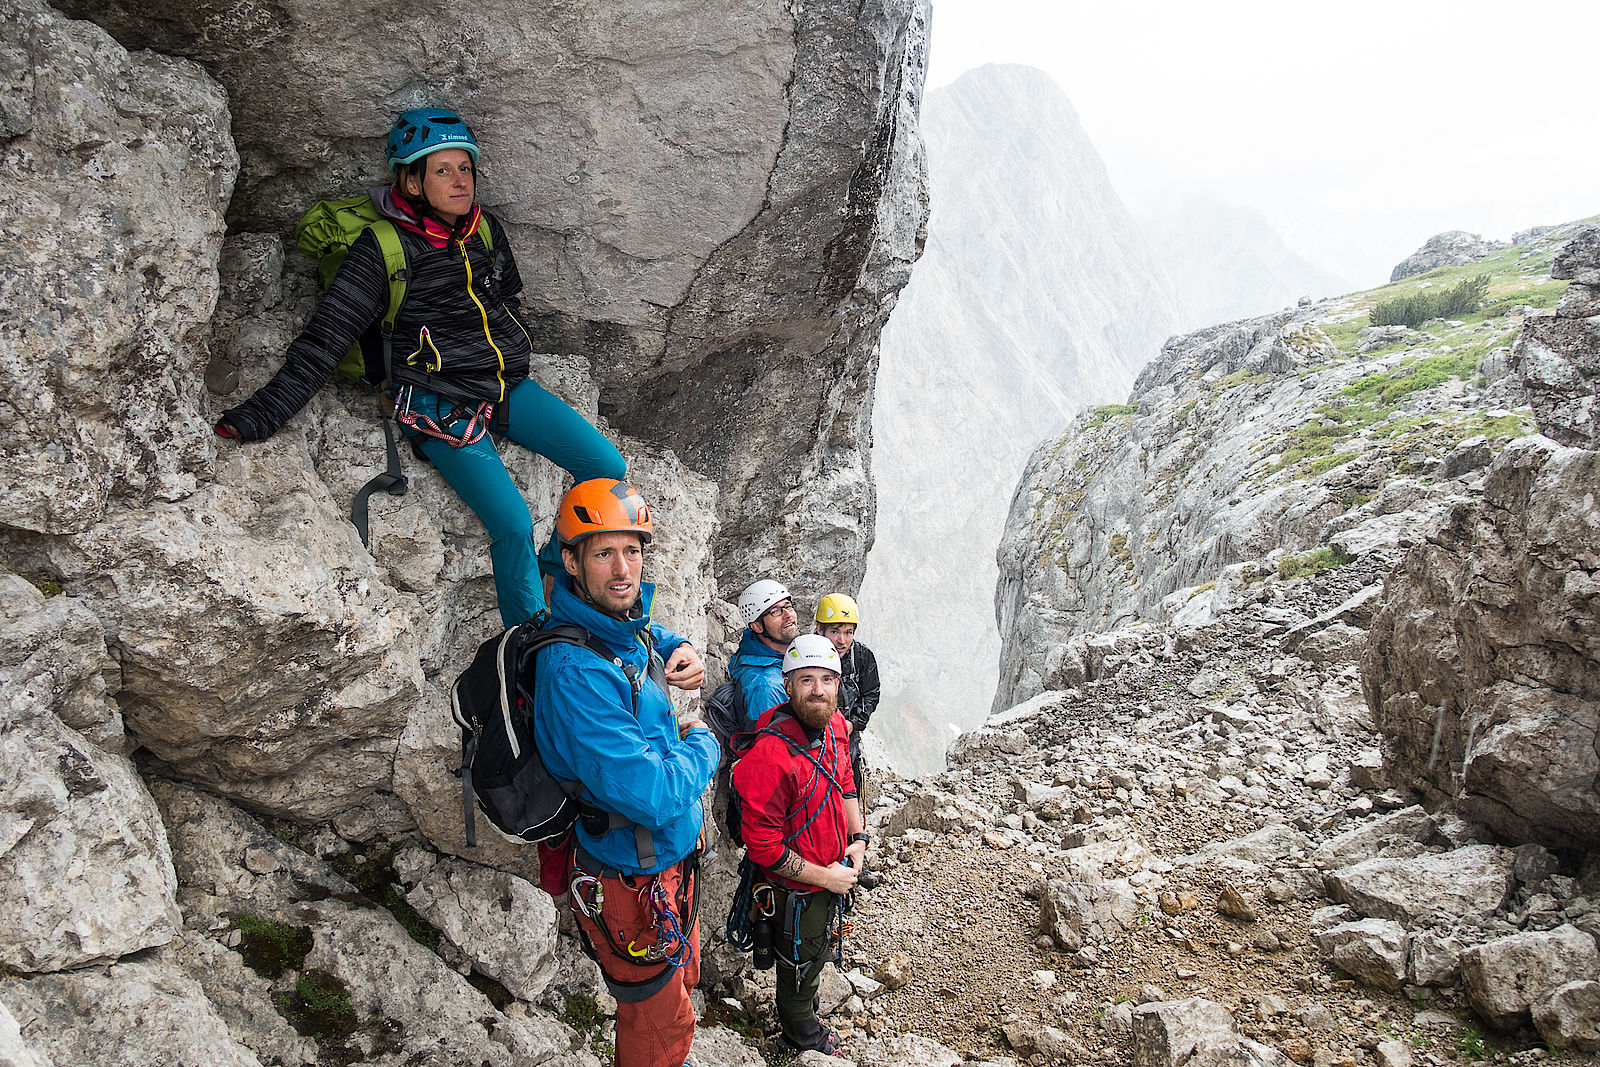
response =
{"points": [[500, 374]]}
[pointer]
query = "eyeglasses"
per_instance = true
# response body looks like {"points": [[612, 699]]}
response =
{"points": [[780, 609]]}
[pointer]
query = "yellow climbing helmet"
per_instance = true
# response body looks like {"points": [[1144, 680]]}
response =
{"points": [[835, 609]]}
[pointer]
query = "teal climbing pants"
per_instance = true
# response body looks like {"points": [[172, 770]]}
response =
{"points": [[540, 422]]}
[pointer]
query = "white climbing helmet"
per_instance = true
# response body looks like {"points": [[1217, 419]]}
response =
{"points": [[758, 597], [811, 650]]}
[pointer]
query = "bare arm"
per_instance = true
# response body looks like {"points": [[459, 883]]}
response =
{"points": [[835, 877]]}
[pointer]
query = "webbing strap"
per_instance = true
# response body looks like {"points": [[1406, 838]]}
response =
{"points": [[469, 752], [392, 481]]}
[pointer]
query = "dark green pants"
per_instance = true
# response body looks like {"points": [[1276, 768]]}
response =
{"points": [[805, 914]]}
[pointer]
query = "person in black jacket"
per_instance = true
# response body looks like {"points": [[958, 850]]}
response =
{"points": [[837, 619], [460, 351]]}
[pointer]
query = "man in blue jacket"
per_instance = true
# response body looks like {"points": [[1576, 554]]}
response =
{"points": [[771, 623], [609, 725]]}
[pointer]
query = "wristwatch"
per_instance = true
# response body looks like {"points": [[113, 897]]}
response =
{"points": [[863, 838]]}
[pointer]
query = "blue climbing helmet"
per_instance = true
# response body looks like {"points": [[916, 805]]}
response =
{"points": [[428, 129]]}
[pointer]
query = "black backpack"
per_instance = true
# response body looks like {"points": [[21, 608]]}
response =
{"points": [[725, 711], [501, 769]]}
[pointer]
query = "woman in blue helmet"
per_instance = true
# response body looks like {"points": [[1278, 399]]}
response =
{"points": [[460, 351]]}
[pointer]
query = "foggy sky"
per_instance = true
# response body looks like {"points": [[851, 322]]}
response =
{"points": [[1359, 128]]}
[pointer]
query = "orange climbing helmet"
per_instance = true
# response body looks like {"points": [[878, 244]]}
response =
{"points": [[602, 505]]}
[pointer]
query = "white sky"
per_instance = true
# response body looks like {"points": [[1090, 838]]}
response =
{"points": [[1359, 128]]}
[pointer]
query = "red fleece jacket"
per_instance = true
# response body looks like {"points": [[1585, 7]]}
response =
{"points": [[781, 789]]}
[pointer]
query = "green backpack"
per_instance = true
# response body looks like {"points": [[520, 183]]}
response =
{"points": [[327, 231]]}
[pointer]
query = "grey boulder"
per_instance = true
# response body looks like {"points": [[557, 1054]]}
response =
{"points": [[1372, 951], [1506, 977], [1570, 1016], [1436, 888]]}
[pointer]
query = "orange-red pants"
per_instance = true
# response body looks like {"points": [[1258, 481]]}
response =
{"points": [[657, 1030]]}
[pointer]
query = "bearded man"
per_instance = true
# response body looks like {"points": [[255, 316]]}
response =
{"points": [[802, 827]]}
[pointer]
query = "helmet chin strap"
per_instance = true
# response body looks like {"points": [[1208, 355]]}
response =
{"points": [[581, 584]]}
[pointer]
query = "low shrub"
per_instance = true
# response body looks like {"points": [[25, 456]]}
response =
{"points": [[1413, 309]]}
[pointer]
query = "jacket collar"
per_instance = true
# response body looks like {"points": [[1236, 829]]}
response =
{"points": [[619, 634], [780, 719], [399, 211], [753, 648]]}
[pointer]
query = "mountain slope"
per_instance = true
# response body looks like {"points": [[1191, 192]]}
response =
{"points": [[1035, 296]]}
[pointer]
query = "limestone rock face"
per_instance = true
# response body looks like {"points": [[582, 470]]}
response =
{"points": [[1235, 460], [504, 925], [132, 1013], [1484, 660], [262, 655], [407, 1001], [115, 174], [1559, 356], [85, 872], [265, 653], [719, 221], [1453, 248]]}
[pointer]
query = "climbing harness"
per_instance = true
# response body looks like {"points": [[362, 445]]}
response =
{"points": [[755, 899], [839, 905], [671, 945], [478, 419]]}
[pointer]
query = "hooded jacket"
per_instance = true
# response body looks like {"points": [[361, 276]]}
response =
{"points": [[459, 316], [757, 669], [586, 730]]}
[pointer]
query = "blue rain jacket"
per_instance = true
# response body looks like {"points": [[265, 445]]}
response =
{"points": [[586, 732], [758, 671]]}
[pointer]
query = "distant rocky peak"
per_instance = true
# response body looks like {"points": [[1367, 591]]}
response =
{"points": [[1453, 248]]}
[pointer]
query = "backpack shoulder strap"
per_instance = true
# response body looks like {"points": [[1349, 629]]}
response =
{"points": [[572, 634], [484, 233], [394, 265]]}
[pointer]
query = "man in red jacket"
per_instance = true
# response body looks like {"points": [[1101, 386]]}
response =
{"points": [[803, 828]]}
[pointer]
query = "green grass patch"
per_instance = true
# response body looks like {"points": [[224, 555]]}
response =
{"points": [[1469, 1042], [1187, 410], [1200, 589], [1316, 446], [1346, 334], [320, 1007], [1318, 559], [1119, 548], [1243, 377], [1111, 411], [1390, 387], [1542, 295], [1324, 464], [581, 1012], [271, 948]]}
